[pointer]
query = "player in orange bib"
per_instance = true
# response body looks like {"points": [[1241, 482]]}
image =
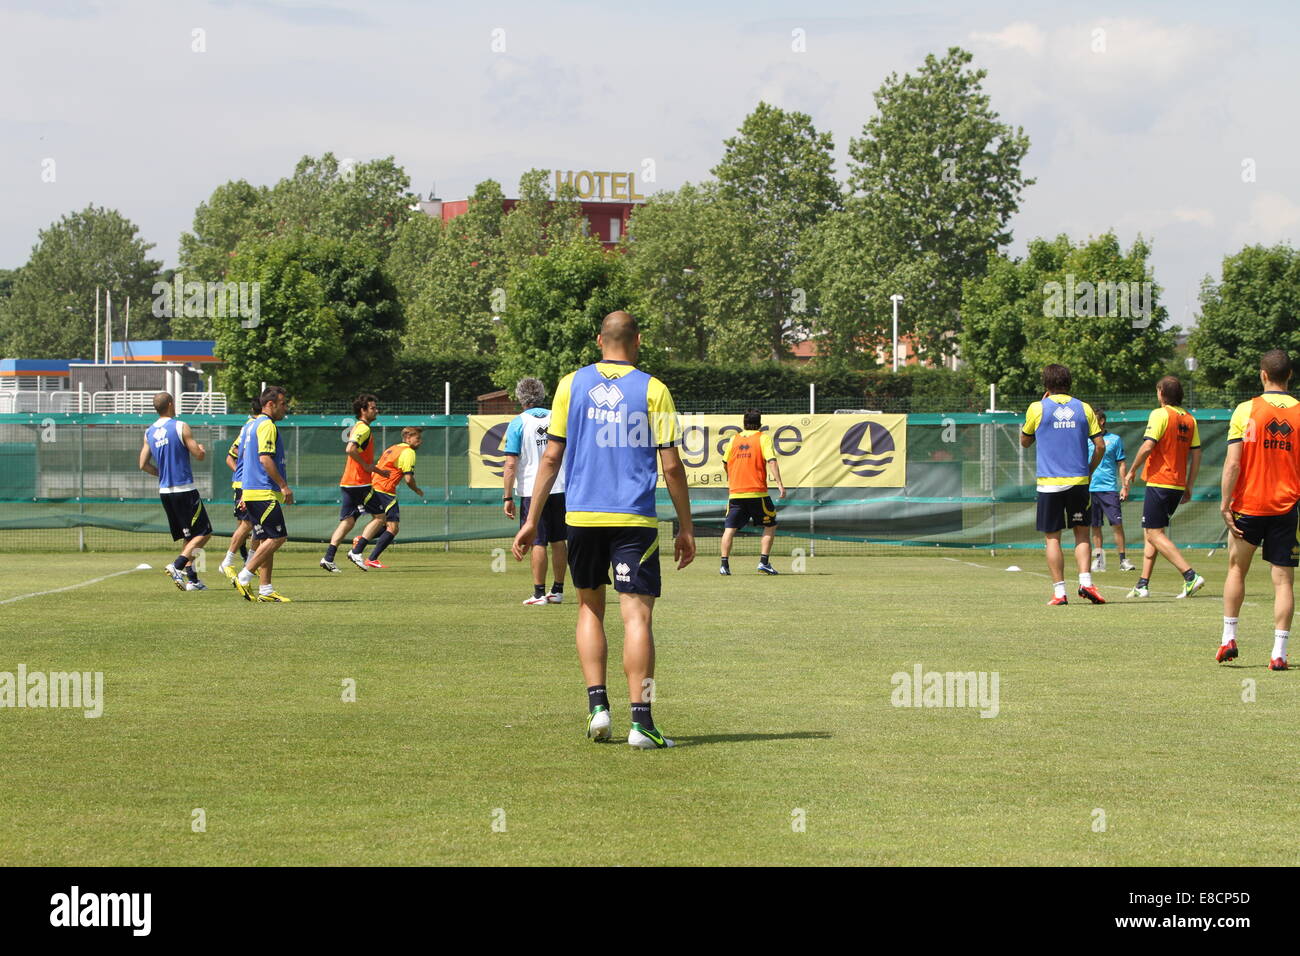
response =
{"points": [[1259, 491], [1171, 452], [354, 487], [748, 459], [398, 461]]}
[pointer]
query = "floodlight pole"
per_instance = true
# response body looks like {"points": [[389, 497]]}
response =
{"points": [[895, 298]]}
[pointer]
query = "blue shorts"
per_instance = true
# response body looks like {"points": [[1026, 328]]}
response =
{"points": [[1067, 508], [357, 501], [550, 524], [633, 553], [1159, 506], [387, 505], [268, 520], [1277, 533], [241, 513], [741, 511], [1105, 504]]}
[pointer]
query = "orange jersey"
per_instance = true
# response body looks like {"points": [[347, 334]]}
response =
{"points": [[397, 460], [1268, 428], [1174, 434], [747, 457], [354, 475]]}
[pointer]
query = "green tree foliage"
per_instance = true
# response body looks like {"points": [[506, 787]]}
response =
{"points": [[1063, 303], [555, 306], [536, 221], [50, 311], [780, 172], [329, 323], [933, 181], [693, 259], [1251, 309]]}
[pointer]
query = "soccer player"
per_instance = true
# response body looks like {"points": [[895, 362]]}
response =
{"points": [[266, 492], [354, 487], [1171, 452], [397, 463], [1104, 491], [750, 461], [1066, 431], [1259, 491], [170, 443], [525, 440], [243, 523], [615, 420]]}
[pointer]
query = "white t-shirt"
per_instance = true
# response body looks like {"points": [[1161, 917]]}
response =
{"points": [[527, 438]]}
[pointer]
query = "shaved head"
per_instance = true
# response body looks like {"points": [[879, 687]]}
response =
{"points": [[161, 402], [619, 331]]}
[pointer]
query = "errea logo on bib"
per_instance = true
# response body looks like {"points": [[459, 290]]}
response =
{"points": [[1064, 417]]}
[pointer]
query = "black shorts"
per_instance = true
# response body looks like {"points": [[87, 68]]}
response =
{"points": [[1070, 507], [1105, 504], [186, 515], [386, 505], [1159, 506], [357, 501], [268, 520], [741, 511], [633, 553], [1276, 532], [550, 525]]}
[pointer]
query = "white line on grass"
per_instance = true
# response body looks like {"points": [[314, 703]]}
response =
{"points": [[70, 587], [1039, 574]]}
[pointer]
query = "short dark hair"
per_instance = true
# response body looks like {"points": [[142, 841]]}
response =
{"points": [[361, 401], [270, 394], [1056, 378], [1276, 364], [753, 418], [1171, 390], [1100, 413], [253, 407]]}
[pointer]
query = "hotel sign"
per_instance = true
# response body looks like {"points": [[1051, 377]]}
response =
{"points": [[607, 186]]}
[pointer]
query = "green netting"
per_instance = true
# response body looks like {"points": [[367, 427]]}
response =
{"points": [[69, 481]]}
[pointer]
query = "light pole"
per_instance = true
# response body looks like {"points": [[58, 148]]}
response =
{"points": [[895, 298]]}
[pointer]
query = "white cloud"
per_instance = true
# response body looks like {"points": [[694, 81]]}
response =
{"points": [[1273, 218], [1016, 36]]}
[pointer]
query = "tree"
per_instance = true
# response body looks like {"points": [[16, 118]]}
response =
{"points": [[1091, 307], [781, 173], [555, 306], [328, 325], [536, 222], [451, 304], [693, 261], [1251, 309], [934, 179], [50, 311]]}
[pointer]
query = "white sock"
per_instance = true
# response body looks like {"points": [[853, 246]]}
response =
{"points": [[1085, 579], [1279, 644], [265, 589], [228, 560], [1058, 589], [245, 576], [1229, 630], [1096, 551]]}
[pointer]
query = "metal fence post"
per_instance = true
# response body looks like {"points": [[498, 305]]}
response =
{"points": [[81, 486]]}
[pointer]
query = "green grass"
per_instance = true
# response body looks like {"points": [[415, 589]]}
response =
{"points": [[778, 691]]}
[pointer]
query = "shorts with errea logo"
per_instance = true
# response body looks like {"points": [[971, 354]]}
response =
{"points": [[357, 500], [186, 516], [1276, 532], [268, 520], [632, 552], [741, 511], [1071, 507], [1159, 505]]}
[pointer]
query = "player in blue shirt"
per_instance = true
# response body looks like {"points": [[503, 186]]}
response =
{"points": [[168, 445], [1104, 491]]}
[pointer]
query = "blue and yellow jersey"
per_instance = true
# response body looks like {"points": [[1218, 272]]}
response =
{"points": [[233, 452], [260, 437], [614, 418], [1063, 428]]}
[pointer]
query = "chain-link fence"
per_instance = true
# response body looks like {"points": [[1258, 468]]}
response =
{"points": [[72, 482]]}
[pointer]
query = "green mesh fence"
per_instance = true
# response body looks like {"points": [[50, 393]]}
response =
{"points": [[72, 482]]}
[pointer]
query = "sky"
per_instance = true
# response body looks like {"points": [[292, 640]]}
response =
{"points": [[1175, 121]]}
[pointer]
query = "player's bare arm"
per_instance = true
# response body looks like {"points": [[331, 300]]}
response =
{"points": [[146, 462], [354, 452], [774, 474], [1139, 460], [273, 473], [508, 493], [410, 483], [1193, 466], [1227, 485], [675, 478], [196, 449], [547, 471], [1098, 453]]}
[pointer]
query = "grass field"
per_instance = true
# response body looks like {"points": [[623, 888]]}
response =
{"points": [[470, 710]]}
